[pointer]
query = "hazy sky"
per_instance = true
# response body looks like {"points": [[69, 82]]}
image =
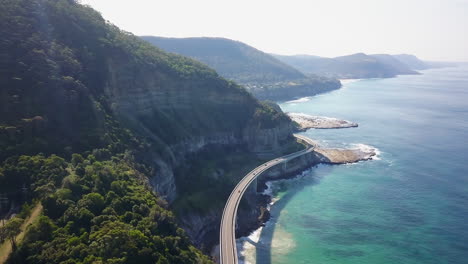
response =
{"points": [[430, 29]]}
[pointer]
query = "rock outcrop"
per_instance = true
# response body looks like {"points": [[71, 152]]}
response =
{"points": [[307, 121], [268, 142]]}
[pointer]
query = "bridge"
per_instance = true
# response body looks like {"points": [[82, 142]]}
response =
{"points": [[227, 233]]}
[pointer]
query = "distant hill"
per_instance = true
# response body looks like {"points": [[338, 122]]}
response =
{"points": [[232, 59], [444, 64], [396, 64], [412, 61], [357, 65], [262, 74]]}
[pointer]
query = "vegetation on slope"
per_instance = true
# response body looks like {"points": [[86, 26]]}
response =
{"points": [[412, 61], [72, 83], [357, 65], [66, 74], [232, 59], [263, 75], [15, 229], [96, 210]]}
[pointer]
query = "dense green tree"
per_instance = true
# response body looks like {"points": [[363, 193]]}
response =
{"points": [[10, 230], [76, 159], [122, 222], [74, 136], [262, 74]]}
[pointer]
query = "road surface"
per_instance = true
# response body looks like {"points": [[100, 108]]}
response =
{"points": [[227, 234]]}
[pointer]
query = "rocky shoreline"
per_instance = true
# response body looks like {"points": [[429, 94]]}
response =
{"points": [[343, 156], [293, 169], [305, 122], [320, 155]]}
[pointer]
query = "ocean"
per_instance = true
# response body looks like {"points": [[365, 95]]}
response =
{"points": [[409, 205]]}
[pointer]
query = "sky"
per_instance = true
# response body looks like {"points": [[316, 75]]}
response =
{"points": [[429, 29]]}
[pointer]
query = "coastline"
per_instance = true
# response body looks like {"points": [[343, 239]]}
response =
{"points": [[346, 81], [373, 177], [306, 122], [246, 244], [322, 156]]}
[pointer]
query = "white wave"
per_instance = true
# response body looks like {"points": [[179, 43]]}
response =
{"points": [[303, 115], [300, 100], [247, 251], [346, 81], [370, 150], [269, 191], [282, 243]]}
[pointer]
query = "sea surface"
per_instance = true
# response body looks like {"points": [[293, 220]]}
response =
{"points": [[407, 206]]}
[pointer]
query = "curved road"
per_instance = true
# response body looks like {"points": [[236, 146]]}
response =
{"points": [[227, 234]]}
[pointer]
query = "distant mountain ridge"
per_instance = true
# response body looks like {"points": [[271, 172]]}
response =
{"points": [[412, 61], [262, 74], [396, 64], [357, 65], [246, 64]]}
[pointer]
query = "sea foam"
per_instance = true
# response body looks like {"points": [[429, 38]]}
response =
{"points": [[246, 250], [368, 149], [346, 81], [300, 100]]}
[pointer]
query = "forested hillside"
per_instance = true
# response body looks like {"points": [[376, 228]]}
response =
{"points": [[412, 61], [354, 66], [94, 123], [263, 75]]}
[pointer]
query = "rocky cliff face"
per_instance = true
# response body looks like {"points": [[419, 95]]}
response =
{"points": [[289, 169], [203, 228], [265, 143], [73, 83], [201, 115], [268, 142]]}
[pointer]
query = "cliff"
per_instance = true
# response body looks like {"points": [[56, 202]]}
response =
{"points": [[72, 83], [204, 223]]}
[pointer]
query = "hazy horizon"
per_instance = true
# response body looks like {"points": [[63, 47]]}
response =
{"points": [[432, 30]]}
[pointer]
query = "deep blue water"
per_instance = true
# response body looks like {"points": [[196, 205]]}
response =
{"points": [[409, 207]]}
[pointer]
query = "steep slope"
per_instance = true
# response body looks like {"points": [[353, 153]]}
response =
{"points": [[231, 59], [305, 63], [412, 61], [131, 116], [262, 74], [357, 65], [362, 66], [397, 65]]}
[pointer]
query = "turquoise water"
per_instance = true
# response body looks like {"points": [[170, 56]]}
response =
{"points": [[411, 206]]}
